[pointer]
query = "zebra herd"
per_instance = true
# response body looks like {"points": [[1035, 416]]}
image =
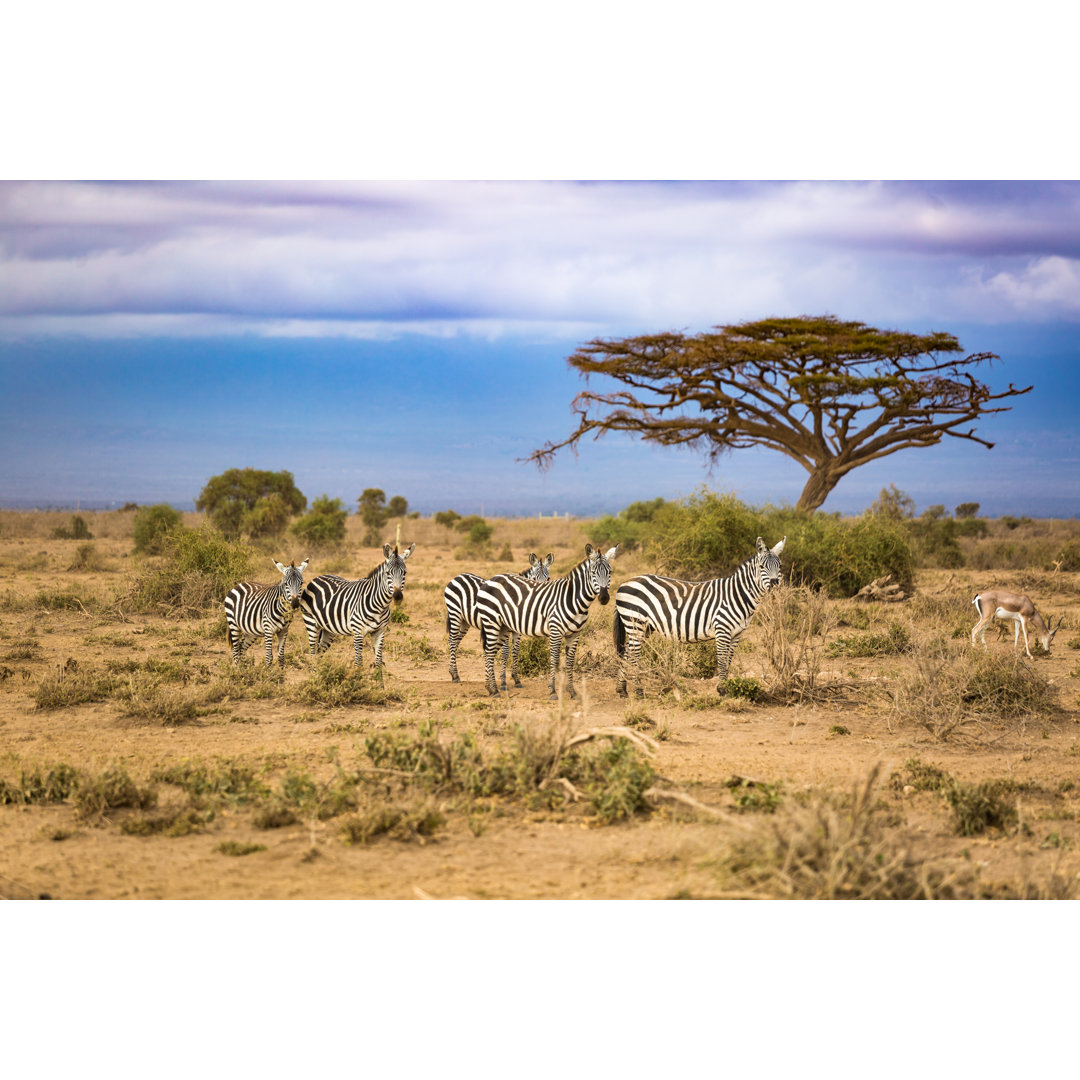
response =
{"points": [[511, 606]]}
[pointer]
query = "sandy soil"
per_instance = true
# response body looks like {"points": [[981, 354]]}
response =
{"points": [[49, 850]]}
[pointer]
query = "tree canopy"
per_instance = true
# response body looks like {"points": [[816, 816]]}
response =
{"points": [[251, 501], [828, 394]]}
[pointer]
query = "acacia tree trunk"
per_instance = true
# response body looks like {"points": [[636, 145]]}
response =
{"points": [[817, 490]]}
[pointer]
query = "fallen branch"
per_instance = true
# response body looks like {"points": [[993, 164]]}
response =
{"points": [[880, 590], [643, 742], [566, 786]]}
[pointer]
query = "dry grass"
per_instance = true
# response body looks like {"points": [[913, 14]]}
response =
{"points": [[952, 689], [794, 622]]}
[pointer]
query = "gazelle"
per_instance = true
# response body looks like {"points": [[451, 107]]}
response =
{"points": [[997, 603]]}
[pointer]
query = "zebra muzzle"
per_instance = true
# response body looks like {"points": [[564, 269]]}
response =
{"points": [[398, 596], [295, 602], [604, 596]]}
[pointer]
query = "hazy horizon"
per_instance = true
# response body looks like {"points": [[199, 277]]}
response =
{"points": [[413, 336]]}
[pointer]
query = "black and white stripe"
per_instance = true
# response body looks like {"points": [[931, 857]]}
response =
{"points": [[253, 611], [692, 610], [334, 606], [460, 596], [555, 609]]}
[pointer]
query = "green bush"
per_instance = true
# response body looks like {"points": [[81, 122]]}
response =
{"points": [[324, 524], [447, 518], [199, 569], [77, 530], [152, 525], [629, 528], [708, 535], [967, 510], [251, 501]]}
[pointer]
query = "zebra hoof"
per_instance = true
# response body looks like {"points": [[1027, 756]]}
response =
{"points": [[454, 677], [621, 691], [518, 683]]}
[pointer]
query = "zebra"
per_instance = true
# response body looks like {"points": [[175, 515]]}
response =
{"points": [[333, 606], [253, 610], [460, 596], [692, 611], [554, 609]]}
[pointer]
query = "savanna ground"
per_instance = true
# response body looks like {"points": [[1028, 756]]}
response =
{"points": [[867, 751]]}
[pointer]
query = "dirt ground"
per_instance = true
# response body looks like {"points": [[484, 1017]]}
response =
{"points": [[51, 850]]}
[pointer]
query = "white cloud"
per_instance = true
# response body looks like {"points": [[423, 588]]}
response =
{"points": [[279, 258]]}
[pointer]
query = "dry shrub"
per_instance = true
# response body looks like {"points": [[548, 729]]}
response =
{"points": [[198, 569], [834, 849], [87, 559], [333, 684], [545, 764], [111, 790], [949, 688], [74, 684], [794, 622], [411, 821]]}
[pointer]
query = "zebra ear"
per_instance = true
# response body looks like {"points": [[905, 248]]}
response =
{"points": [[779, 547], [550, 558], [761, 548], [386, 551], [533, 560], [408, 551], [588, 551], [610, 553], [279, 566], [303, 566]]}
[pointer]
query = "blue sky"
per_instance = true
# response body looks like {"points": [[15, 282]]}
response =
{"points": [[412, 335]]}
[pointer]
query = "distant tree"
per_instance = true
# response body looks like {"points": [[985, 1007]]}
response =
{"points": [[935, 513], [251, 501], [324, 524], [893, 503], [398, 506], [152, 525], [77, 530], [447, 518], [967, 510], [830, 395]]}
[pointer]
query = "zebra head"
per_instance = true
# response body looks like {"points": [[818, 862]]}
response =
{"points": [[768, 564], [292, 584], [539, 569], [394, 570], [598, 567]]}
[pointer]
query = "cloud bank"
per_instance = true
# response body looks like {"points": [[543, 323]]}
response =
{"points": [[377, 259]]}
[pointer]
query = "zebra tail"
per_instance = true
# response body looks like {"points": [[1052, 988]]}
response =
{"points": [[619, 633]]}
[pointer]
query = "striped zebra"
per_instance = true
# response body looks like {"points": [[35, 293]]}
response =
{"points": [[692, 611], [555, 609], [253, 610], [460, 596], [334, 606]]}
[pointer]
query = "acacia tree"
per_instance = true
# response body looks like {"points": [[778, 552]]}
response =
{"points": [[252, 501], [830, 395]]}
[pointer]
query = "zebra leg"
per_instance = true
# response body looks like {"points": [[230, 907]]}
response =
{"points": [[571, 649], [554, 644], [513, 670], [358, 649], [490, 642], [236, 640], [634, 638], [377, 645], [283, 634], [725, 649], [504, 653], [456, 633]]}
